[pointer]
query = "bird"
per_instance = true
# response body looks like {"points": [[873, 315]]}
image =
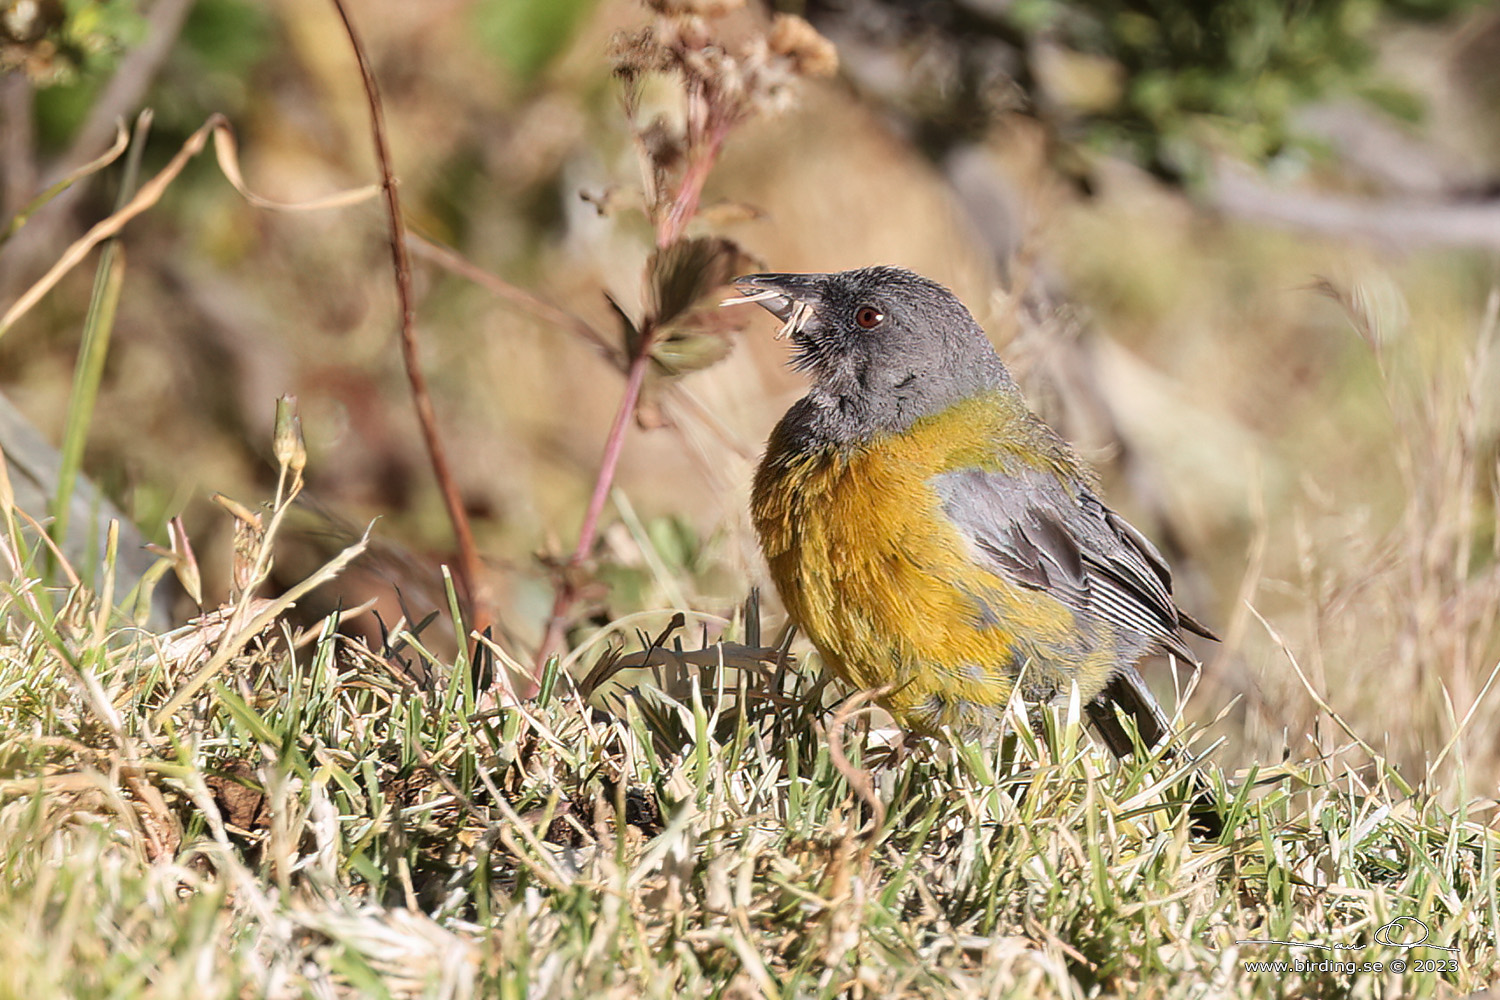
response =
{"points": [[935, 539]]}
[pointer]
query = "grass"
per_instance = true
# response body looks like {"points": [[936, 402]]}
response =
{"points": [[322, 818]]}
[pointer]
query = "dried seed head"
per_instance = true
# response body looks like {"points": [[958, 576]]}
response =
{"points": [[793, 38], [184, 562], [687, 33], [249, 536], [704, 8], [288, 445], [635, 53], [662, 142]]}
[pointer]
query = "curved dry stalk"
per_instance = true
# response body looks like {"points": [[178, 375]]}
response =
{"points": [[468, 567], [858, 778]]}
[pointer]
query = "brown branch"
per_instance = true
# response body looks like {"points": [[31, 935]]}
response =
{"points": [[468, 569], [1400, 221], [17, 144]]}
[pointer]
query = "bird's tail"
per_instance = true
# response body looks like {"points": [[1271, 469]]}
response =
{"points": [[1127, 689]]}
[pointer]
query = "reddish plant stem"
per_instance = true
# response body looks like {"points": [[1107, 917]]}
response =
{"points": [[614, 445], [669, 229], [673, 223], [468, 568]]}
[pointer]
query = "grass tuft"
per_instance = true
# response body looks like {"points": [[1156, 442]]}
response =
{"points": [[324, 817]]}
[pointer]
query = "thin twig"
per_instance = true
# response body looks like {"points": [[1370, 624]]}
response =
{"points": [[674, 393], [216, 128], [690, 192], [566, 594], [451, 260], [1322, 702], [613, 445], [468, 568]]}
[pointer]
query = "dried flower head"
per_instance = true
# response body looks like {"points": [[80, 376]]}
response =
{"points": [[636, 53], [705, 8], [795, 39], [729, 84], [722, 85], [287, 443]]}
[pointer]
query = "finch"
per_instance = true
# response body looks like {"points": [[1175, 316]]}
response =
{"points": [[932, 536]]}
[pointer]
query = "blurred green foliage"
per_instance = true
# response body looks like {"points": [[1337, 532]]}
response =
{"points": [[528, 34], [53, 41], [1167, 84], [228, 35], [213, 66], [210, 68], [1209, 74]]}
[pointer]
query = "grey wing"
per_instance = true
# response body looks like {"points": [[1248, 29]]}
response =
{"points": [[1030, 530]]}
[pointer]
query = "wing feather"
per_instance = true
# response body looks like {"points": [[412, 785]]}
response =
{"points": [[1030, 530]]}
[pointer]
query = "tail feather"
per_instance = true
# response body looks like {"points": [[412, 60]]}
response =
{"points": [[1127, 689]]}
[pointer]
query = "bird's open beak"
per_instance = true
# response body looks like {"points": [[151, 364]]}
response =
{"points": [[791, 298]]}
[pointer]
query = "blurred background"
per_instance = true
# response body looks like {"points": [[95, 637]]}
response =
{"points": [[1244, 254]]}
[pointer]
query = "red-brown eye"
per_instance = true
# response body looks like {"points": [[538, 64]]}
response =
{"points": [[868, 317]]}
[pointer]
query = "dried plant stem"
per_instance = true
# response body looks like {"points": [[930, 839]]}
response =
{"points": [[567, 590], [613, 445], [450, 260], [670, 226], [634, 370], [468, 567], [125, 91], [674, 392], [859, 779], [238, 636], [673, 222]]}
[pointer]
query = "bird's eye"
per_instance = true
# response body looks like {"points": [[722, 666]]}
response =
{"points": [[868, 317]]}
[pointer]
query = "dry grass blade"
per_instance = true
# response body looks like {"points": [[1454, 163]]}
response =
{"points": [[110, 155], [1463, 725], [858, 778], [150, 193], [268, 613], [740, 300], [1318, 698]]}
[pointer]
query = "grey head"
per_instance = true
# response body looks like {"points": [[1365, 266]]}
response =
{"points": [[884, 347]]}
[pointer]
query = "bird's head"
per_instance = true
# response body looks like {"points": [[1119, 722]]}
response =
{"points": [[883, 346]]}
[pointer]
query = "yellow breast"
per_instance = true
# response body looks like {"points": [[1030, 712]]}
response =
{"points": [[883, 583]]}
